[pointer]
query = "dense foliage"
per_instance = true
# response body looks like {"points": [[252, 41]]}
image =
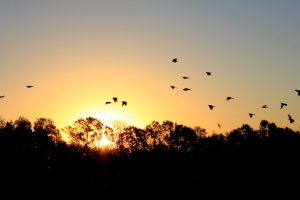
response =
{"points": [[163, 155]]}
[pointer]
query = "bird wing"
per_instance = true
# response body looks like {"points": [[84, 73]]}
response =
{"points": [[291, 119]]}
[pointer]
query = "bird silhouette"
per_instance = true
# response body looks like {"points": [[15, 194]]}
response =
{"points": [[211, 106], [228, 98], [173, 87], [29, 86], [291, 119], [108, 102], [251, 115], [124, 103], [174, 60], [298, 91], [186, 89], [264, 106], [282, 105], [2, 97], [185, 77], [208, 73], [115, 99], [219, 125]]}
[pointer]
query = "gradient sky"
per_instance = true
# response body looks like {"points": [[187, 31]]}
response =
{"points": [[79, 54]]}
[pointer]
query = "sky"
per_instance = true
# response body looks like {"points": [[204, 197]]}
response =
{"points": [[79, 54]]}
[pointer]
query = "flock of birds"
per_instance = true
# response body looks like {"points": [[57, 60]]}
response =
{"points": [[174, 60], [211, 107], [115, 100]]}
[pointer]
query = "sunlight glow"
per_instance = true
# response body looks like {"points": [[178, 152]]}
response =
{"points": [[108, 117], [105, 143]]}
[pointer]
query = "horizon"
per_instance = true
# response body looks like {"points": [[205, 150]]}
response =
{"points": [[78, 55], [114, 127]]}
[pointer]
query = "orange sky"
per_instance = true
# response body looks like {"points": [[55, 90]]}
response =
{"points": [[80, 54]]}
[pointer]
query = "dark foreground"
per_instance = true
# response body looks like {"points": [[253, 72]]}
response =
{"points": [[244, 162]]}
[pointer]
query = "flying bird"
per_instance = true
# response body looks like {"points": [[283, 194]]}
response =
{"points": [[298, 91], [108, 102], [115, 99], [185, 77], [29, 86], [283, 104], [219, 125], [124, 103], [173, 87], [174, 60], [251, 115], [2, 97], [211, 106], [186, 89], [228, 98], [291, 119], [208, 73], [264, 106]]}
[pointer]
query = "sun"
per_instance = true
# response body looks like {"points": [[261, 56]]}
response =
{"points": [[106, 143], [113, 118]]}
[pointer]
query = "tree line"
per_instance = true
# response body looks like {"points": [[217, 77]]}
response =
{"points": [[167, 154]]}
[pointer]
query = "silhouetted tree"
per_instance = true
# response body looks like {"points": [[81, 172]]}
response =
{"points": [[8, 129], [46, 127], [2, 123], [22, 126], [109, 133], [118, 126], [249, 134], [132, 139], [272, 131], [85, 131], [157, 134], [243, 135], [22, 132], [263, 129], [235, 137], [200, 132], [183, 139]]}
